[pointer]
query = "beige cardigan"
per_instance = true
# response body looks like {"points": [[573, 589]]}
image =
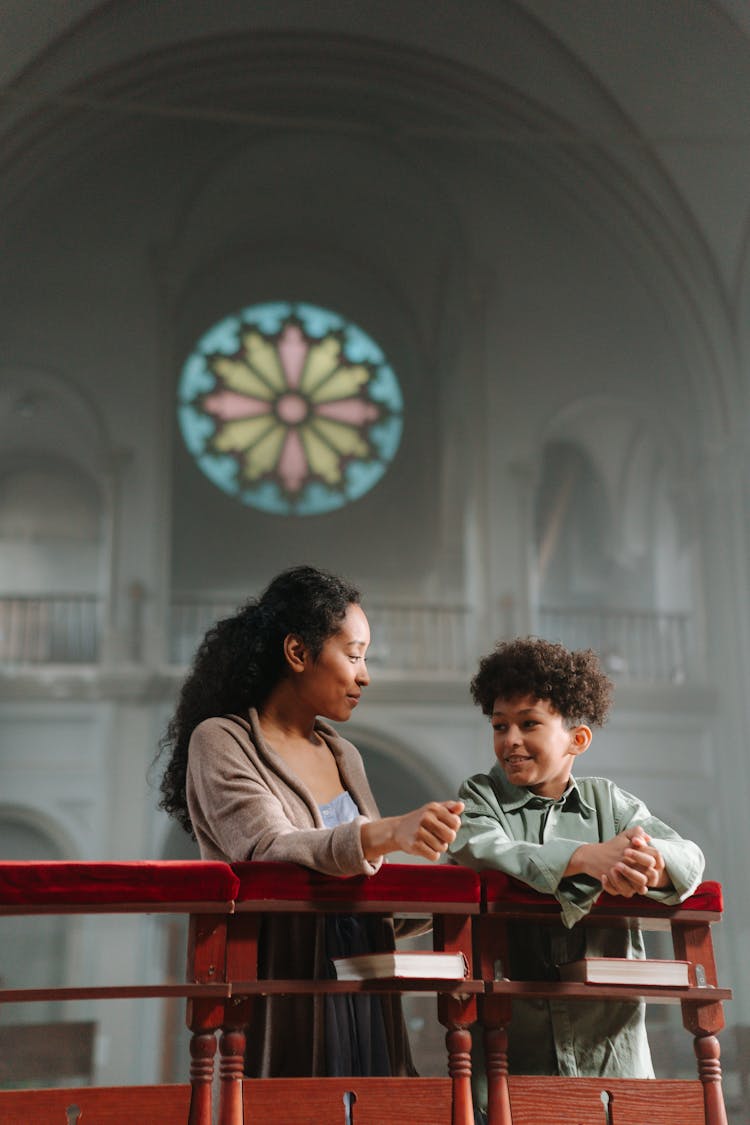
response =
{"points": [[245, 803]]}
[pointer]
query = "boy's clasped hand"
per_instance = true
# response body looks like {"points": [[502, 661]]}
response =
{"points": [[625, 865], [639, 868]]}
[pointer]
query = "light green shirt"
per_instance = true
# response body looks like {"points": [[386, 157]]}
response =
{"points": [[533, 838]]}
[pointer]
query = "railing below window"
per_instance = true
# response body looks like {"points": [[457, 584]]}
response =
{"points": [[407, 638], [411, 639], [632, 644], [421, 638], [189, 618], [60, 629]]}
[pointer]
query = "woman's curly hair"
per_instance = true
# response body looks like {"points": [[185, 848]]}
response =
{"points": [[241, 659], [573, 682]]}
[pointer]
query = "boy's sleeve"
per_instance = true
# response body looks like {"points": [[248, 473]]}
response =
{"points": [[684, 860], [482, 842]]}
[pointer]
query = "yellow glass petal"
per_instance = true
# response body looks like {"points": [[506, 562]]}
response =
{"points": [[343, 383], [236, 437], [322, 359], [264, 455], [345, 440], [238, 377], [323, 460], [264, 359]]}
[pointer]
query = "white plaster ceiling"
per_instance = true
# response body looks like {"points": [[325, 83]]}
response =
{"points": [[671, 77]]}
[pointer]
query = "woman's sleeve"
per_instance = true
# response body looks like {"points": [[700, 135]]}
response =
{"points": [[231, 803]]}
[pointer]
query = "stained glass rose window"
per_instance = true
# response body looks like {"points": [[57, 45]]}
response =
{"points": [[290, 408]]}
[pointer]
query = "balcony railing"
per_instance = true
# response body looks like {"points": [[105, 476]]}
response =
{"points": [[189, 618], [407, 638], [422, 638], [60, 629], [633, 644]]}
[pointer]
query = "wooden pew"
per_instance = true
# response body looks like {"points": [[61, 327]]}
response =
{"points": [[529, 1100], [204, 891], [449, 896]]}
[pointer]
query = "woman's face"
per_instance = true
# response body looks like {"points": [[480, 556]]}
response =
{"points": [[332, 684]]}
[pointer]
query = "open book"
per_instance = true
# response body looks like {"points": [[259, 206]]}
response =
{"points": [[623, 970], [366, 966]]}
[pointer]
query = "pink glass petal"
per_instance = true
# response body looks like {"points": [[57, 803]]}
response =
{"points": [[355, 411], [229, 404], [292, 349], [291, 409], [292, 466]]}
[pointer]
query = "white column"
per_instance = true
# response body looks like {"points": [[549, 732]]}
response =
{"points": [[725, 519]]}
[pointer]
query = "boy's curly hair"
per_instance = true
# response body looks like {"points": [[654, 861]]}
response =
{"points": [[573, 682]]}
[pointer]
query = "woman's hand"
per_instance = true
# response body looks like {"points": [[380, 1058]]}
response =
{"points": [[426, 831]]}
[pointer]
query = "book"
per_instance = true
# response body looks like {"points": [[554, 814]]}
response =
{"points": [[624, 970], [368, 966]]}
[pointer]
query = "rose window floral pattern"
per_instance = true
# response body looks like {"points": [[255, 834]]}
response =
{"points": [[290, 408]]}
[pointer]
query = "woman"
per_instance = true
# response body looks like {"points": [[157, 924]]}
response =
{"points": [[255, 774]]}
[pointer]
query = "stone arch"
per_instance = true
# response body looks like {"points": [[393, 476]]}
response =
{"points": [[401, 778], [643, 464], [624, 190], [35, 948]]}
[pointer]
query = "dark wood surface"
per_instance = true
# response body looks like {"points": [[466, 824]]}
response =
{"points": [[578, 1101], [103, 1105], [303, 1101], [382, 984], [113, 992]]}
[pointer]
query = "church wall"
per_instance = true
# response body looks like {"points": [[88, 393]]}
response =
{"points": [[512, 312]]}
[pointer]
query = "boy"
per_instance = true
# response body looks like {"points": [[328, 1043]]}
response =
{"points": [[572, 839]]}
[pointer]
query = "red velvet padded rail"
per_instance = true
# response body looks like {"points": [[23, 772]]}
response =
{"points": [[70, 883], [394, 882], [498, 887]]}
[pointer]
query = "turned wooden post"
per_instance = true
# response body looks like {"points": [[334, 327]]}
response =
{"points": [[692, 942], [458, 1042], [231, 1073], [205, 965], [241, 964], [707, 1051], [202, 1051], [494, 1016], [453, 933]]}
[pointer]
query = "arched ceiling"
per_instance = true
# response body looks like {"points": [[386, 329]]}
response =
{"points": [[676, 73], [651, 97]]}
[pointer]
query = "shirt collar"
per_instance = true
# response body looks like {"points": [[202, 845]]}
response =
{"points": [[514, 797]]}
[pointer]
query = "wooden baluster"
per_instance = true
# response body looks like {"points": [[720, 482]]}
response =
{"points": [[202, 1051], [458, 1042], [707, 1051], [241, 964], [692, 942], [494, 1015], [205, 965], [453, 933], [231, 1073]]}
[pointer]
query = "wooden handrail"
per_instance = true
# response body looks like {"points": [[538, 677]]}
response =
{"points": [[225, 905]]}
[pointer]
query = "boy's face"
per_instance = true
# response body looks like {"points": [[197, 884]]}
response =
{"points": [[534, 745]]}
